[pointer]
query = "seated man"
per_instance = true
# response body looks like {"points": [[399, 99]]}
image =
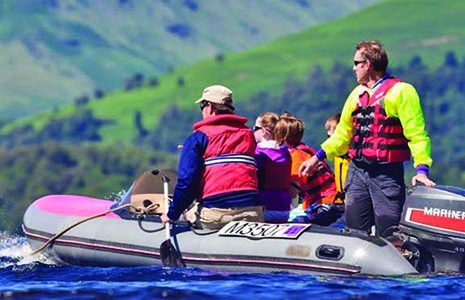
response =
{"points": [[217, 167]]}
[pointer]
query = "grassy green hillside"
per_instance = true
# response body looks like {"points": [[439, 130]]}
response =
{"points": [[54, 51], [428, 28]]}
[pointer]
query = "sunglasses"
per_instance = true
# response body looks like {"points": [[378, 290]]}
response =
{"points": [[203, 104], [357, 62], [255, 128]]}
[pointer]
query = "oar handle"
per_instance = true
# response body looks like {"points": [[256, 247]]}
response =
{"points": [[166, 180]]}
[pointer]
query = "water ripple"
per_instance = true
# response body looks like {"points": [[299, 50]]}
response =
{"points": [[35, 278]]}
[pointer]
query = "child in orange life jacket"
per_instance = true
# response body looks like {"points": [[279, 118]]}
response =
{"points": [[341, 163], [273, 169], [316, 191]]}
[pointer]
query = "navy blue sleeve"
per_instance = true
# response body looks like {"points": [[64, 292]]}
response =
{"points": [[190, 171]]}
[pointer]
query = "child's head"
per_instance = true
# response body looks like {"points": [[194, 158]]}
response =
{"points": [[331, 124], [289, 129], [265, 126]]}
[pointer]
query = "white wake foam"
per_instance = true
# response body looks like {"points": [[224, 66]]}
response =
{"points": [[15, 251], [116, 196]]}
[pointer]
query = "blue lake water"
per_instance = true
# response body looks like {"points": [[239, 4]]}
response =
{"points": [[26, 278]]}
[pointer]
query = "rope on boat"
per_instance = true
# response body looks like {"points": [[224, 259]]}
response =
{"points": [[139, 211], [141, 217], [197, 232]]}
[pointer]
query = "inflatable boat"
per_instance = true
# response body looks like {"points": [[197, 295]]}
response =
{"points": [[432, 235], [82, 230], [112, 240]]}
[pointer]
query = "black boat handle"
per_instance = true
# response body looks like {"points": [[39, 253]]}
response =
{"points": [[330, 252]]}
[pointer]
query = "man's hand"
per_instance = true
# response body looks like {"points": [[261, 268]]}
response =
{"points": [[308, 166], [423, 179], [164, 218]]}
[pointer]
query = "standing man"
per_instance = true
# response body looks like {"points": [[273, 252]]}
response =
{"points": [[381, 125], [217, 167]]}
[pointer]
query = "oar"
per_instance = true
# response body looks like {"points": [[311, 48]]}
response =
{"points": [[169, 255]]}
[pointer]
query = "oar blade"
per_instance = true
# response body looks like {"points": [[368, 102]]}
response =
{"points": [[170, 256]]}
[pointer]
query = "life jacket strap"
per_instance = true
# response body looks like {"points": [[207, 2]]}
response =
{"points": [[380, 146]]}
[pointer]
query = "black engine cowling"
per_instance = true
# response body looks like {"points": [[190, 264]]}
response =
{"points": [[433, 222]]}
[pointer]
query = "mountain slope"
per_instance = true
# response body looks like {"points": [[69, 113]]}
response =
{"points": [[54, 51], [266, 68]]}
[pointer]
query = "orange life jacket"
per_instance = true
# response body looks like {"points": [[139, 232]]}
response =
{"points": [[319, 187]]}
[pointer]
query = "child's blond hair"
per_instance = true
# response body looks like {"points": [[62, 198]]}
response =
{"points": [[336, 118], [289, 129]]}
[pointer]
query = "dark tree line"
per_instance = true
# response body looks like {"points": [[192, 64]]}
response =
{"points": [[80, 127]]}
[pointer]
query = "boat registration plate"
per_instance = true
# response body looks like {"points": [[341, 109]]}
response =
{"points": [[257, 230]]}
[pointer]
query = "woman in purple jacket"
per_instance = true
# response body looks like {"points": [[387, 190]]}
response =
{"points": [[274, 170]]}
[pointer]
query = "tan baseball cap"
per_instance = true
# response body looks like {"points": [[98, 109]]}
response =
{"points": [[216, 94]]}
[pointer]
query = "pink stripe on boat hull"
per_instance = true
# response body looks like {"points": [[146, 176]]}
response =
{"points": [[73, 205]]}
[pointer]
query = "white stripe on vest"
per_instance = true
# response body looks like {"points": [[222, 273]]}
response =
{"points": [[230, 159]]}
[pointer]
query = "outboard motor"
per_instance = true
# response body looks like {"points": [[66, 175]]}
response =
{"points": [[433, 228]]}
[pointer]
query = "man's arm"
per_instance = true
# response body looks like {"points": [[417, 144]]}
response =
{"points": [[405, 105], [191, 165], [338, 143]]}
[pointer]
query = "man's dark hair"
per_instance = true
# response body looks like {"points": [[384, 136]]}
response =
{"points": [[375, 53], [222, 109]]}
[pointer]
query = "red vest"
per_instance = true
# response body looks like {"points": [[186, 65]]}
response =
{"points": [[376, 136], [229, 157]]}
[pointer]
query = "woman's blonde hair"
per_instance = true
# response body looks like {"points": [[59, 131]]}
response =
{"points": [[268, 120], [289, 129]]}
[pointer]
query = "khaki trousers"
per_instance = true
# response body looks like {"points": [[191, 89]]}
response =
{"points": [[216, 218]]}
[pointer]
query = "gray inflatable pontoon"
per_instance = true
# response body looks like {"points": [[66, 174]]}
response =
{"points": [[125, 240]]}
